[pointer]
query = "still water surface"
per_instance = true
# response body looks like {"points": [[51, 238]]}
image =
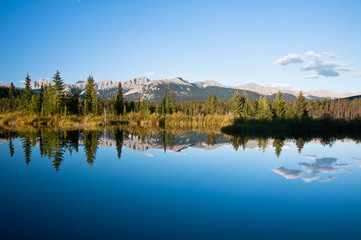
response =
{"points": [[186, 185]]}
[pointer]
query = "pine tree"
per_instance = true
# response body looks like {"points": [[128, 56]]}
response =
{"points": [[26, 96], [301, 106], [12, 91], [119, 100], [280, 106], [11, 97], [58, 83], [59, 97], [89, 95]]}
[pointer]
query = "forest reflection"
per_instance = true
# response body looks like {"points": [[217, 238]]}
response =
{"points": [[54, 144]]}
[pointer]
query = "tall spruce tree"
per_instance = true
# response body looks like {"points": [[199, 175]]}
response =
{"points": [[279, 104], [89, 96], [12, 92], [301, 106], [59, 96], [119, 100], [26, 96]]}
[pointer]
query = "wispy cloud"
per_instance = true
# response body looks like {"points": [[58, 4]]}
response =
{"points": [[328, 179], [149, 154], [331, 55], [313, 157], [149, 74], [327, 69], [315, 75], [309, 179], [22, 81], [180, 75], [312, 54], [321, 165], [319, 66], [290, 58]]}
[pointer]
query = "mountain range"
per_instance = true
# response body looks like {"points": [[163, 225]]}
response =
{"points": [[153, 90]]}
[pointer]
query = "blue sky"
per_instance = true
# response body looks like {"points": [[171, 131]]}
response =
{"points": [[233, 42]]}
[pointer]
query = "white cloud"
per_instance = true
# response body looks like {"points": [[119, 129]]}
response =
{"points": [[149, 74], [319, 66], [291, 58], [327, 69], [288, 173], [312, 54], [331, 55], [315, 75], [309, 179], [22, 81]]}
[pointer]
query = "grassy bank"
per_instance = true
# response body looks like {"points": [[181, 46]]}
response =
{"points": [[141, 119]]}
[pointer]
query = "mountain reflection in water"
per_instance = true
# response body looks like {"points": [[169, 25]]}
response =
{"points": [[54, 143]]}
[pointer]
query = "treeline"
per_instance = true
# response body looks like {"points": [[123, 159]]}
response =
{"points": [[54, 100]]}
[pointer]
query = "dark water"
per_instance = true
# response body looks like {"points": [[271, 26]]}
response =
{"points": [[122, 184]]}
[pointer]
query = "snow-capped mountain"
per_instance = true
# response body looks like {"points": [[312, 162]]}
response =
{"points": [[153, 90]]}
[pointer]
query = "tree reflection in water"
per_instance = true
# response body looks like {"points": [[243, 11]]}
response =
{"points": [[55, 143]]}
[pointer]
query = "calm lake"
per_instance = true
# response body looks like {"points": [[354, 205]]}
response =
{"points": [[121, 184]]}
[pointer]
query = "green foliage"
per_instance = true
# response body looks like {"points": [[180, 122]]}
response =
{"points": [[264, 112], [212, 104], [172, 102], [165, 103], [35, 106]]}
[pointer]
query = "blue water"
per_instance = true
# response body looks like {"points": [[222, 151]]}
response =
{"points": [[199, 192]]}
